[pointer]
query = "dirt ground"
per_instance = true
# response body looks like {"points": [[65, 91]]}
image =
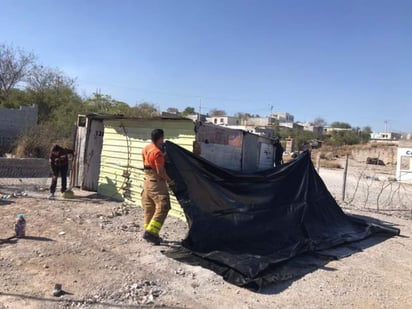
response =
{"points": [[93, 248]]}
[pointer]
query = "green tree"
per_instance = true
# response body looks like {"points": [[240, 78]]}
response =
{"points": [[103, 103], [365, 134], [217, 112], [243, 116], [188, 111], [172, 110], [319, 122], [54, 93], [340, 138], [16, 98], [300, 137], [145, 110], [341, 125], [276, 128]]}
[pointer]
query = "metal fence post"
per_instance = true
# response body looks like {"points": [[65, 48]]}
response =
{"points": [[318, 162], [345, 175]]}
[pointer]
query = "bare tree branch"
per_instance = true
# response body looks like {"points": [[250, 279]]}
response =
{"points": [[15, 66], [42, 78]]}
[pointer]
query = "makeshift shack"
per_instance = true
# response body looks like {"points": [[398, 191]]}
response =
{"points": [[234, 149], [121, 168]]}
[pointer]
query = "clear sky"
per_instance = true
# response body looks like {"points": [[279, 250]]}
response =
{"points": [[346, 60]]}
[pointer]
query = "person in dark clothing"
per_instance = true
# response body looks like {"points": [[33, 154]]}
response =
{"points": [[59, 163], [278, 152]]}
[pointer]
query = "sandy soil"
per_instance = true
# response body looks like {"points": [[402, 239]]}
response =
{"points": [[93, 247]]}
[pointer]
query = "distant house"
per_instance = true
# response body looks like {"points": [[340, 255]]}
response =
{"points": [[329, 130], [283, 117], [386, 136], [307, 126], [290, 125], [223, 120], [197, 117], [259, 121], [263, 131], [268, 132], [172, 112]]}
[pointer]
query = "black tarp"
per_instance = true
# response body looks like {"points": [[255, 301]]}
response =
{"points": [[248, 227]]}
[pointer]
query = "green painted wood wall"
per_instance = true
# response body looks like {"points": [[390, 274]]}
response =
{"points": [[121, 170]]}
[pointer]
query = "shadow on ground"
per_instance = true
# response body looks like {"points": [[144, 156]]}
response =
{"points": [[14, 240], [6, 203]]}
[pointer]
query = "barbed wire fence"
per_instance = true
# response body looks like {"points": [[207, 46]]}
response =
{"points": [[369, 187]]}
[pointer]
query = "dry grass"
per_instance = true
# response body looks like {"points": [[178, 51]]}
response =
{"points": [[347, 149], [330, 164], [37, 142]]}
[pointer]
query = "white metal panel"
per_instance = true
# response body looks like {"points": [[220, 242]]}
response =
{"points": [[225, 156], [80, 145], [265, 156], [250, 153], [404, 164]]}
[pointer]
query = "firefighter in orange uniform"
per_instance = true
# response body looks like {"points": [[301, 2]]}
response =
{"points": [[155, 195]]}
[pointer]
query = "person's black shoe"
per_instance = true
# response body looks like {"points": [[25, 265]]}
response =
{"points": [[153, 239]]}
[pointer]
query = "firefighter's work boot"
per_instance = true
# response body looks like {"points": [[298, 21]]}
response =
{"points": [[152, 238]]}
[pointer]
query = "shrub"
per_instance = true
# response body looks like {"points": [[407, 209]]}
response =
{"points": [[37, 142], [330, 164]]}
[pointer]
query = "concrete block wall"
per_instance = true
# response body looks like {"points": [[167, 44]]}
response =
{"points": [[14, 121], [24, 168]]}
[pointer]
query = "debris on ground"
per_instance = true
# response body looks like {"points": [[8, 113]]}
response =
{"points": [[114, 268]]}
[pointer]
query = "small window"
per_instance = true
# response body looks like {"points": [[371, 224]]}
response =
{"points": [[221, 120], [81, 121], [215, 121]]}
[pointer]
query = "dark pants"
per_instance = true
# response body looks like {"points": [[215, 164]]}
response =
{"points": [[62, 170]]}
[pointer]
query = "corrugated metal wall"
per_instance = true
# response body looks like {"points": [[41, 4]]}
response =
{"points": [[121, 170]]}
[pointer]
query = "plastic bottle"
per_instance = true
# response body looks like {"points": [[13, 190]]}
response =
{"points": [[20, 226], [4, 197]]}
